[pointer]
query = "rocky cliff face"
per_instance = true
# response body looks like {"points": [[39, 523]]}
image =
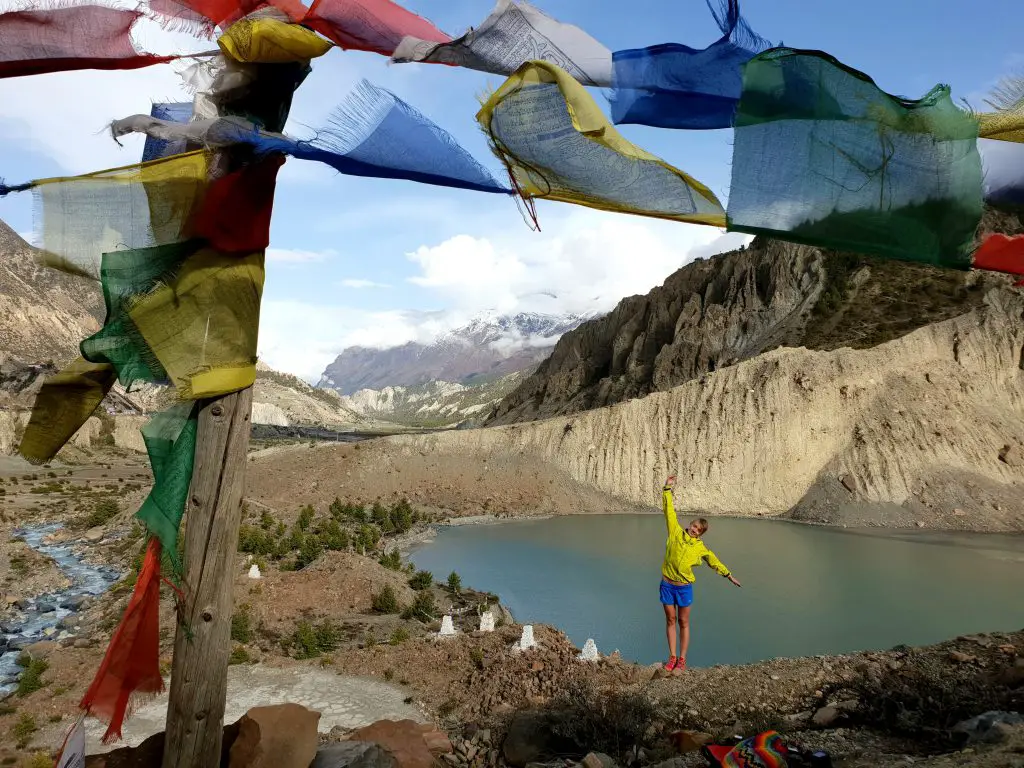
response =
{"points": [[928, 428], [717, 312]]}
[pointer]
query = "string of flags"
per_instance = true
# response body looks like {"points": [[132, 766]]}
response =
{"points": [[821, 156]]}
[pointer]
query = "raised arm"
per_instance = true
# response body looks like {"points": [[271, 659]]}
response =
{"points": [[668, 507]]}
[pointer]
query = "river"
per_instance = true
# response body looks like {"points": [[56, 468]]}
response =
{"points": [[41, 616], [807, 590]]}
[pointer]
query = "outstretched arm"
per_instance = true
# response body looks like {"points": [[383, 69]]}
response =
{"points": [[720, 568], [668, 507]]}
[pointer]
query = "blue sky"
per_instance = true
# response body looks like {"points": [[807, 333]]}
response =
{"points": [[382, 262]]}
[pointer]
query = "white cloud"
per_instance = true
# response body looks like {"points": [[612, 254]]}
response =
{"points": [[353, 282], [586, 261], [297, 256], [583, 262]]}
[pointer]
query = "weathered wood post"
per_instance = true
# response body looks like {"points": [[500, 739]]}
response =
{"points": [[202, 645]]}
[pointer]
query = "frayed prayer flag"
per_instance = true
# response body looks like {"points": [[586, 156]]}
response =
{"points": [[514, 33], [131, 665], [201, 16], [822, 156], [369, 25], [557, 145], [675, 86], [35, 42], [1000, 253], [156, 148]]}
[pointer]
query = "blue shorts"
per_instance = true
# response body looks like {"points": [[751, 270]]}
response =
{"points": [[672, 594]]}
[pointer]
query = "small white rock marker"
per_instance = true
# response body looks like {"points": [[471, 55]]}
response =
{"points": [[254, 572], [447, 628], [589, 652], [527, 642], [487, 622]]}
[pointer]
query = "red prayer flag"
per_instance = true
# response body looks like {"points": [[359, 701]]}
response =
{"points": [[204, 15], [369, 25], [65, 39], [1000, 253], [132, 662]]}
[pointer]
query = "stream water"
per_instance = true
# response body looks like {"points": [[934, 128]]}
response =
{"points": [[42, 617]]}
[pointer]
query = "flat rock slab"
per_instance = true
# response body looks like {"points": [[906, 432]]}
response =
{"points": [[349, 702]]}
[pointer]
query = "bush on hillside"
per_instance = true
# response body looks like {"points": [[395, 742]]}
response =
{"points": [[391, 560], [423, 608], [385, 601], [422, 580]]}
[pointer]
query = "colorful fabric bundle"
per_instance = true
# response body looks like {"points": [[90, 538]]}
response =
{"points": [[557, 145], [157, 148], [70, 38], [822, 156], [766, 750], [675, 86], [269, 41], [373, 133], [64, 403], [512, 35], [369, 25]]}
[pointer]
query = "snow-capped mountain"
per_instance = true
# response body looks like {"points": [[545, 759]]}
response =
{"points": [[490, 347]]}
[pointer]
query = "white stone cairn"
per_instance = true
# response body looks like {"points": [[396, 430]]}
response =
{"points": [[447, 628], [254, 572], [487, 622], [589, 652], [526, 642]]}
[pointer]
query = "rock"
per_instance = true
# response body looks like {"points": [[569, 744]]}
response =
{"points": [[438, 743], [531, 739], [987, 728], [825, 717], [354, 754], [75, 603], [279, 736], [42, 649], [49, 631], [94, 535], [597, 760], [689, 741], [1011, 456], [962, 658], [404, 739], [849, 483], [81, 642], [22, 604], [17, 643]]}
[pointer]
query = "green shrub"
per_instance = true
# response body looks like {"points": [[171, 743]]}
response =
{"points": [[310, 640], [391, 560], [32, 675], [239, 655], [421, 580], [256, 541], [266, 520], [423, 607], [334, 536], [367, 537], [399, 636], [103, 512], [454, 582], [310, 549], [306, 515], [386, 601], [241, 625], [477, 657], [23, 730]]}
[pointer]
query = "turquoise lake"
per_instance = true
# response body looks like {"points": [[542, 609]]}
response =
{"points": [[806, 589]]}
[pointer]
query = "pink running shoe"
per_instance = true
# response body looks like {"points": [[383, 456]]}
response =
{"points": [[681, 665], [671, 664]]}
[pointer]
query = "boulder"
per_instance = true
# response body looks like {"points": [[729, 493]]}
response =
{"points": [[988, 728], [689, 741], [597, 760], [42, 649], [825, 717], [354, 754], [404, 739], [74, 603], [94, 535], [278, 736]]}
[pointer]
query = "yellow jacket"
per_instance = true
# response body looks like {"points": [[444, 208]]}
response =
{"points": [[683, 551]]}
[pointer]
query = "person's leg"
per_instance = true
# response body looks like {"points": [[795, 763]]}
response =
{"points": [[684, 631], [670, 629]]}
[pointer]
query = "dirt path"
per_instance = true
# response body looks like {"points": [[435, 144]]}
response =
{"points": [[345, 701]]}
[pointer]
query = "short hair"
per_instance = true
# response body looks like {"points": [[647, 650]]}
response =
{"points": [[703, 523]]}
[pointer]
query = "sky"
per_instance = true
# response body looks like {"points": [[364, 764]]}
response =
{"points": [[381, 262]]}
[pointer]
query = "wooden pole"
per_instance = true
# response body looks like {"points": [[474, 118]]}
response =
{"points": [[195, 714]]}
